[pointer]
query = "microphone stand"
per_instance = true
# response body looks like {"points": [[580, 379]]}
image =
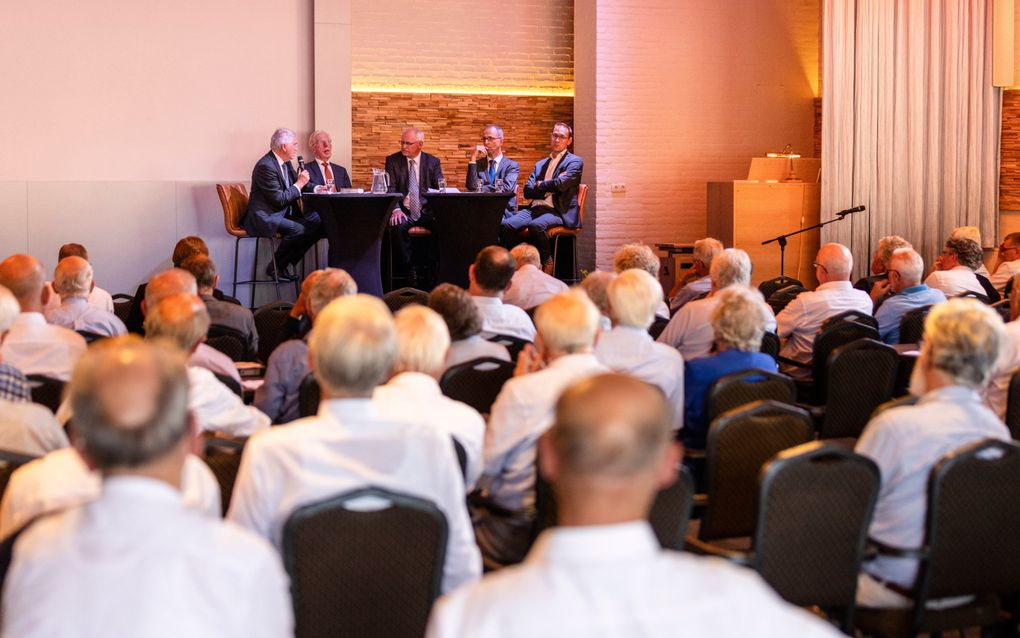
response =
{"points": [[781, 239]]}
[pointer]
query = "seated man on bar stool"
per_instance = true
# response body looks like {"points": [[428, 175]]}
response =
{"points": [[411, 173]]}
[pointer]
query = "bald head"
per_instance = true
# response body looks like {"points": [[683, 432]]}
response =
{"points": [[72, 278], [834, 263], [166, 283], [23, 275], [181, 319]]}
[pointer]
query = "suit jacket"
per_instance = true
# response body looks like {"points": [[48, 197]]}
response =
{"points": [[565, 183], [508, 170], [315, 177], [429, 174], [271, 199]]}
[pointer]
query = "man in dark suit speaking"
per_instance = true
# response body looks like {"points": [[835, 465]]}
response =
{"points": [[553, 187], [488, 166], [322, 171], [411, 173], [273, 204]]}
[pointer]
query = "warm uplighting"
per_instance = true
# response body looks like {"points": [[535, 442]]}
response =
{"points": [[462, 90]]}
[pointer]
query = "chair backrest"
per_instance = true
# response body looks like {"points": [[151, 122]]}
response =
{"points": [[309, 395], [223, 456], [970, 294], [658, 325], [991, 293], [1013, 406], [912, 324], [513, 345], [850, 315], [477, 382], [747, 386], [814, 508], [229, 341], [782, 297], [973, 528], [832, 335], [860, 376], [46, 390], [739, 443], [234, 200], [766, 288], [582, 197], [270, 323], [1002, 307], [770, 344], [122, 306], [397, 299], [364, 572], [90, 337]]}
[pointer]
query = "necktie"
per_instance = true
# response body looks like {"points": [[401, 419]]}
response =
{"points": [[286, 174], [413, 196], [492, 172], [328, 173]]}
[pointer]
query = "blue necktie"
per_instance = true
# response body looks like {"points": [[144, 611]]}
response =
{"points": [[492, 173], [413, 196]]}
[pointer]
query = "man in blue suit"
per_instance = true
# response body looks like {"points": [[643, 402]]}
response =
{"points": [[552, 187], [490, 165], [413, 209], [273, 204], [321, 170]]}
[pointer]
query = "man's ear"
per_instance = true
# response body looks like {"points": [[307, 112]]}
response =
{"points": [[45, 295]]}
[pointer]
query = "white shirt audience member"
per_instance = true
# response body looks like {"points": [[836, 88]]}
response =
{"points": [[632, 351], [499, 318], [800, 320], [531, 287], [29, 429], [98, 298], [36, 347], [955, 281]]}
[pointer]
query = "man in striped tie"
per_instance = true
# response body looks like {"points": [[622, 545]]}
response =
{"points": [[411, 173]]}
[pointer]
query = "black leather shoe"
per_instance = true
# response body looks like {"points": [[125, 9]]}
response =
{"points": [[284, 275]]}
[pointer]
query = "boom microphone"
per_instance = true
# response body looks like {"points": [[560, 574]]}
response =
{"points": [[842, 213]]}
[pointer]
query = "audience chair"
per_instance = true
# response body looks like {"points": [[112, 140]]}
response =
{"points": [[46, 390], [223, 456], [90, 337], [658, 325], [122, 306], [739, 443], [767, 288], [851, 315], [365, 563], [309, 395], [912, 324], [230, 342], [830, 336], [782, 297], [270, 324], [1013, 406], [990, 292], [970, 294], [770, 345], [860, 377], [971, 545], [397, 299], [477, 382], [815, 503], [513, 345], [234, 200], [747, 386]]}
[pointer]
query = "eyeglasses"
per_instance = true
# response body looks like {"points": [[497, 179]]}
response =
{"points": [[558, 136], [818, 265], [486, 138], [1005, 248], [403, 143]]}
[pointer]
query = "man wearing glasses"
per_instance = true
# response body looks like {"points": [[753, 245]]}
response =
{"points": [[411, 173], [489, 171], [905, 269], [1007, 262], [552, 187]]}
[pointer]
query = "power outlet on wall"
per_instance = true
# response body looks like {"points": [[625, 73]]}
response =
{"points": [[619, 188]]}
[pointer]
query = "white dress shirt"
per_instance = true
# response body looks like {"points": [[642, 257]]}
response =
{"points": [[531, 287], [211, 359], [76, 313], [1004, 273], [690, 330], [906, 442], [35, 347], [416, 397], [98, 298], [499, 318], [29, 428], [615, 581], [217, 408], [632, 351], [955, 281], [472, 348], [61, 480], [135, 562], [523, 411], [800, 320], [550, 170], [345, 447], [996, 391]]}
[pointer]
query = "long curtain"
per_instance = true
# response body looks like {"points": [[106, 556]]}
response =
{"points": [[910, 123]]}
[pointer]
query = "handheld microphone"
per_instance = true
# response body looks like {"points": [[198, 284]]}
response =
{"points": [[301, 164], [842, 213]]}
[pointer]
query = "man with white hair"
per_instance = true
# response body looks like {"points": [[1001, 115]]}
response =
{"points": [[273, 204], [530, 287], [877, 285], [563, 353], [134, 561], [413, 393], [596, 286], [690, 329], [72, 280], [640, 256], [490, 277], [800, 320], [962, 339], [905, 269], [97, 298], [287, 367], [349, 445], [634, 296], [323, 175], [696, 281], [601, 571], [31, 344], [412, 173]]}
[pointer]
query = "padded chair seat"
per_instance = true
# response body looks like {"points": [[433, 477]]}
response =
{"points": [[419, 231], [896, 622]]}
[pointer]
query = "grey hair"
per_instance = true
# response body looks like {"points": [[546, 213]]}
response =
{"points": [[72, 283], [706, 249], [962, 338], [498, 129], [739, 318], [636, 255], [353, 344], [634, 295], [330, 284], [730, 267], [888, 244], [968, 252], [908, 263], [316, 133], [418, 133], [282, 136]]}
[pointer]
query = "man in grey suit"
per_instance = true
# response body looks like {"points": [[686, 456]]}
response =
{"points": [[489, 165], [553, 188]]}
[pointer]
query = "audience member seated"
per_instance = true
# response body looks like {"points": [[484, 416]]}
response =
{"points": [[966, 232], [413, 393], [800, 320], [738, 322], [962, 339], [690, 329], [880, 268], [642, 257], [634, 295], [464, 322], [490, 278], [1007, 262], [601, 571], [530, 286], [567, 328], [97, 297], [72, 281], [352, 347], [277, 397], [13, 384], [32, 345], [221, 313], [299, 320], [695, 282], [905, 268], [996, 391], [596, 286], [954, 274], [134, 561]]}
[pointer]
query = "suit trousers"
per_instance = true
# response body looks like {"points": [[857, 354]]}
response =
{"points": [[537, 220], [404, 250], [296, 239]]}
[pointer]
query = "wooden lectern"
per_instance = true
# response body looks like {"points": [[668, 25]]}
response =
{"points": [[744, 213]]}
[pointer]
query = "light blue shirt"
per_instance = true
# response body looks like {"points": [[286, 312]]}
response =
{"points": [[892, 309]]}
